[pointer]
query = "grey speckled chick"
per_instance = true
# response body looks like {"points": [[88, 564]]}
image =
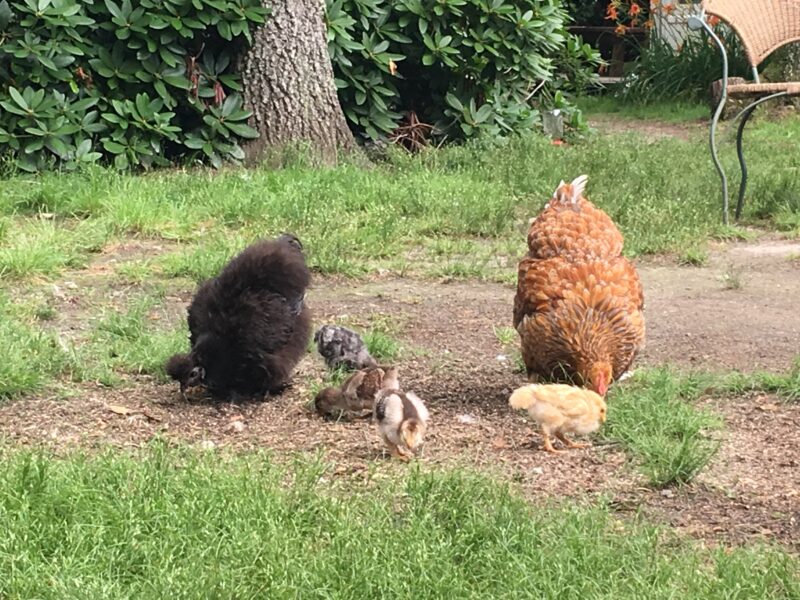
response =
{"points": [[342, 347]]}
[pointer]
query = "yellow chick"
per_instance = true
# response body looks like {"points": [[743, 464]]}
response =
{"points": [[561, 409], [401, 418]]}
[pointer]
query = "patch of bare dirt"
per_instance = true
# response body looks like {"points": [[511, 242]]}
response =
{"points": [[752, 487], [453, 359], [738, 312]]}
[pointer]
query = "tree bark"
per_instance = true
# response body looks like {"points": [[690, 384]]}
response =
{"points": [[288, 83]]}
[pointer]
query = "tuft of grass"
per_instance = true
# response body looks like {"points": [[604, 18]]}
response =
{"points": [[382, 346], [786, 385], [130, 342], [734, 233], [136, 272], [31, 356], [731, 278], [475, 270], [693, 257], [188, 524], [45, 247], [507, 336], [45, 312], [654, 418]]}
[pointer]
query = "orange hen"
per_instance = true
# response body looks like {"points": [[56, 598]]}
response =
{"points": [[578, 308], [571, 226]]}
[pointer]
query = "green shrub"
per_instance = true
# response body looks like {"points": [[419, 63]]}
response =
{"points": [[464, 66], [141, 82]]}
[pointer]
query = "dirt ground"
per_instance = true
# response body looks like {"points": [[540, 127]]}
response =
{"points": [[452, 357]]}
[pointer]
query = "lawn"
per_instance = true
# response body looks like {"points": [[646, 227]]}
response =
{"points": [[178, 524], [131, 491]]}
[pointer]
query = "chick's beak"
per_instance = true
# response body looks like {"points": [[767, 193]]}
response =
{"points": [[196, 377]]}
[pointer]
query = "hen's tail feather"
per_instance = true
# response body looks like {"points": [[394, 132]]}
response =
{"points": [[522, 398], [570, 193]]}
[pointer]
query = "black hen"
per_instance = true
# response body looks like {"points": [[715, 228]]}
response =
{"points": [[249, 326]]}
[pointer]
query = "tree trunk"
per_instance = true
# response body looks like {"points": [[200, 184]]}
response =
{"points": [[288, 83]]}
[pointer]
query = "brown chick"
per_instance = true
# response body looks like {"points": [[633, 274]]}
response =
{"points": [[560, 409], [355, 398], [581, 322], [401, 418], [572, 227]]}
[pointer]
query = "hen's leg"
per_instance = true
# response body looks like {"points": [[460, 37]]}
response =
{"points": [[547, 444], [569, 443]]}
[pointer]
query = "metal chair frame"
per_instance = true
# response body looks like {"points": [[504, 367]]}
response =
{"points": [[697, 22]]}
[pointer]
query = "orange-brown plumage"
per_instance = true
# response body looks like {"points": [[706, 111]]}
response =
{"points": [[572, 227], [578, 313]]}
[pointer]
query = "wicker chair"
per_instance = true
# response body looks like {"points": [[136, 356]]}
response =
{"points": [[763, 26]]}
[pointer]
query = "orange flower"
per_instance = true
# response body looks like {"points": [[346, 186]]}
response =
{"points": [[611, 13], [668, 8], [713, 20], [621, 29], [649, 23], [634, 10]]}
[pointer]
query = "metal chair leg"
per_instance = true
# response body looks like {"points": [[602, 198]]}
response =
{"points": [[695, 23], [713, 144], [746, 114]]}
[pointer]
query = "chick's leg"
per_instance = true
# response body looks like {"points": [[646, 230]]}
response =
{"points": [[569, 443], [547, 444], [396, 451], [401, 453]]}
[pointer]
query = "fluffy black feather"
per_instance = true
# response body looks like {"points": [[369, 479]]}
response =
{"points": [[249, 326]]}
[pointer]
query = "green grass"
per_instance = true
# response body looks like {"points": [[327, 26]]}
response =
{"points": [[452, 212], [786, 385], [383, 346], [673, 112], [654, 418], [45, 247], [182, 524], [132, 343], [693, 257], [32, 357]]}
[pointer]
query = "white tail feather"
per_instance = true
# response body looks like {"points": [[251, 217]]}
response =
{"points": [[560, 185], [572, 192], [578, 187]]}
